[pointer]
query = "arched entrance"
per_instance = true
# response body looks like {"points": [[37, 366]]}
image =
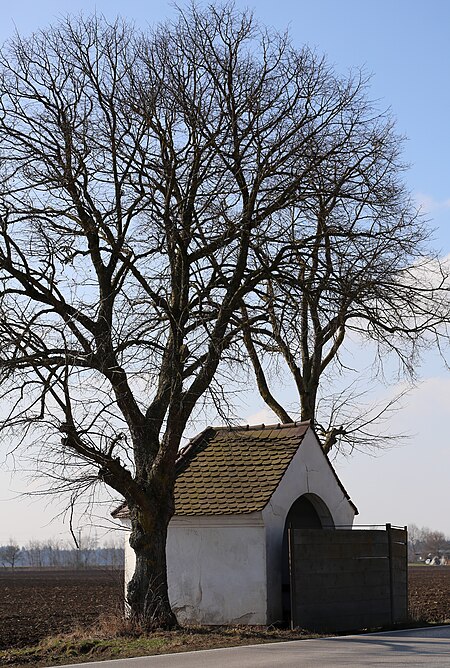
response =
{"points": [[307, 512]]}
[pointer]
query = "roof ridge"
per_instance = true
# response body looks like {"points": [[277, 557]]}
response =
{"points": [[262, 426]]}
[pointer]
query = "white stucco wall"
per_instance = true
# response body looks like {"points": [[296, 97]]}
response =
{"points": [[308, 473], [130, 557], [216, 568]]}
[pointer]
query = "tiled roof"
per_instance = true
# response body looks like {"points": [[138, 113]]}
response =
{"points": [[228, 471], [233, 471]]}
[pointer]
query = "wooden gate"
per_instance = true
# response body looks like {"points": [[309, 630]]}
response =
{"points": [[348, 579]]}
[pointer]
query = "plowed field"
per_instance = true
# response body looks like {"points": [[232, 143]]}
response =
{"points": [[34, 604], [429, 593], [37, 603]]}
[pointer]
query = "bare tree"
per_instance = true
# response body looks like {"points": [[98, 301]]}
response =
{"points": [[359, 266], [414, 540], [144, 179], [33, 552], [426, 543], [10, 554], [433, 542]]}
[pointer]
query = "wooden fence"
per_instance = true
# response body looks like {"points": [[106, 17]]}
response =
{"points": [[348, 579]]}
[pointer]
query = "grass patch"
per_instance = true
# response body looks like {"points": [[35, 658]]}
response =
{"points": [[55, 651], [113, 638]]}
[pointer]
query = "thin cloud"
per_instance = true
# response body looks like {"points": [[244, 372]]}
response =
{"points": [[264, 416], [429, 204]]}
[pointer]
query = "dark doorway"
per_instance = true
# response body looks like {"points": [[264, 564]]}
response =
{"points": [[307, 512]]}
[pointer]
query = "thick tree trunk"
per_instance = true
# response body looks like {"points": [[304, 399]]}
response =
{"points": [[147, 593], [307, 405]]}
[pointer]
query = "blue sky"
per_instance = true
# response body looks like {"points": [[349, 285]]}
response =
{"points": [[405, 45]]}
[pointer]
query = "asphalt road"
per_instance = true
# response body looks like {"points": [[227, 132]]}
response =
{"points": [[414, 647]]}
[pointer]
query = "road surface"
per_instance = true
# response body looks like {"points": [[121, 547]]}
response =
{"points": [[428, 647]]}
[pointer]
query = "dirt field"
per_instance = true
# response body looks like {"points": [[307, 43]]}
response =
{"points": [[37, 603], [429, 593], [34, 604]]}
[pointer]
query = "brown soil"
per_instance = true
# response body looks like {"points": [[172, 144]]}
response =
{"points": [[41, 602], [429, 593], [38, 603]]}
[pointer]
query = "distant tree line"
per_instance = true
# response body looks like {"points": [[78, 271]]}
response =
{"points": [[424, 543], [59, 554]]}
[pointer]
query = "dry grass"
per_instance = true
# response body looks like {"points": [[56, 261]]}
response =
{"points": [[113, 637]]}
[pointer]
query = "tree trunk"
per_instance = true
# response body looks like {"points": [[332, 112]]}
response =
{"points": [[307, 404], [147, 593]]}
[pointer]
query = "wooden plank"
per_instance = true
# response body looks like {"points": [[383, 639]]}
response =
{"points": [[326, 537], [323, 581], [329, 594], [360, 599], [399, 563], [341, 565], [347, 579], [320, 536], [342, 550], [337, 610], [399, 550], [399, 535], [355, 566], [401, 610], [351, 556], [334, 610], [399, 592], [342, 621]]}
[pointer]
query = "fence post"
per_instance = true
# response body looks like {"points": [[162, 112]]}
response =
{"points": [[406, 574], [391, 574]]}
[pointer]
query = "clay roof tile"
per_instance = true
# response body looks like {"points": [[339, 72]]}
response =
{"points": [[234, 471]]}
